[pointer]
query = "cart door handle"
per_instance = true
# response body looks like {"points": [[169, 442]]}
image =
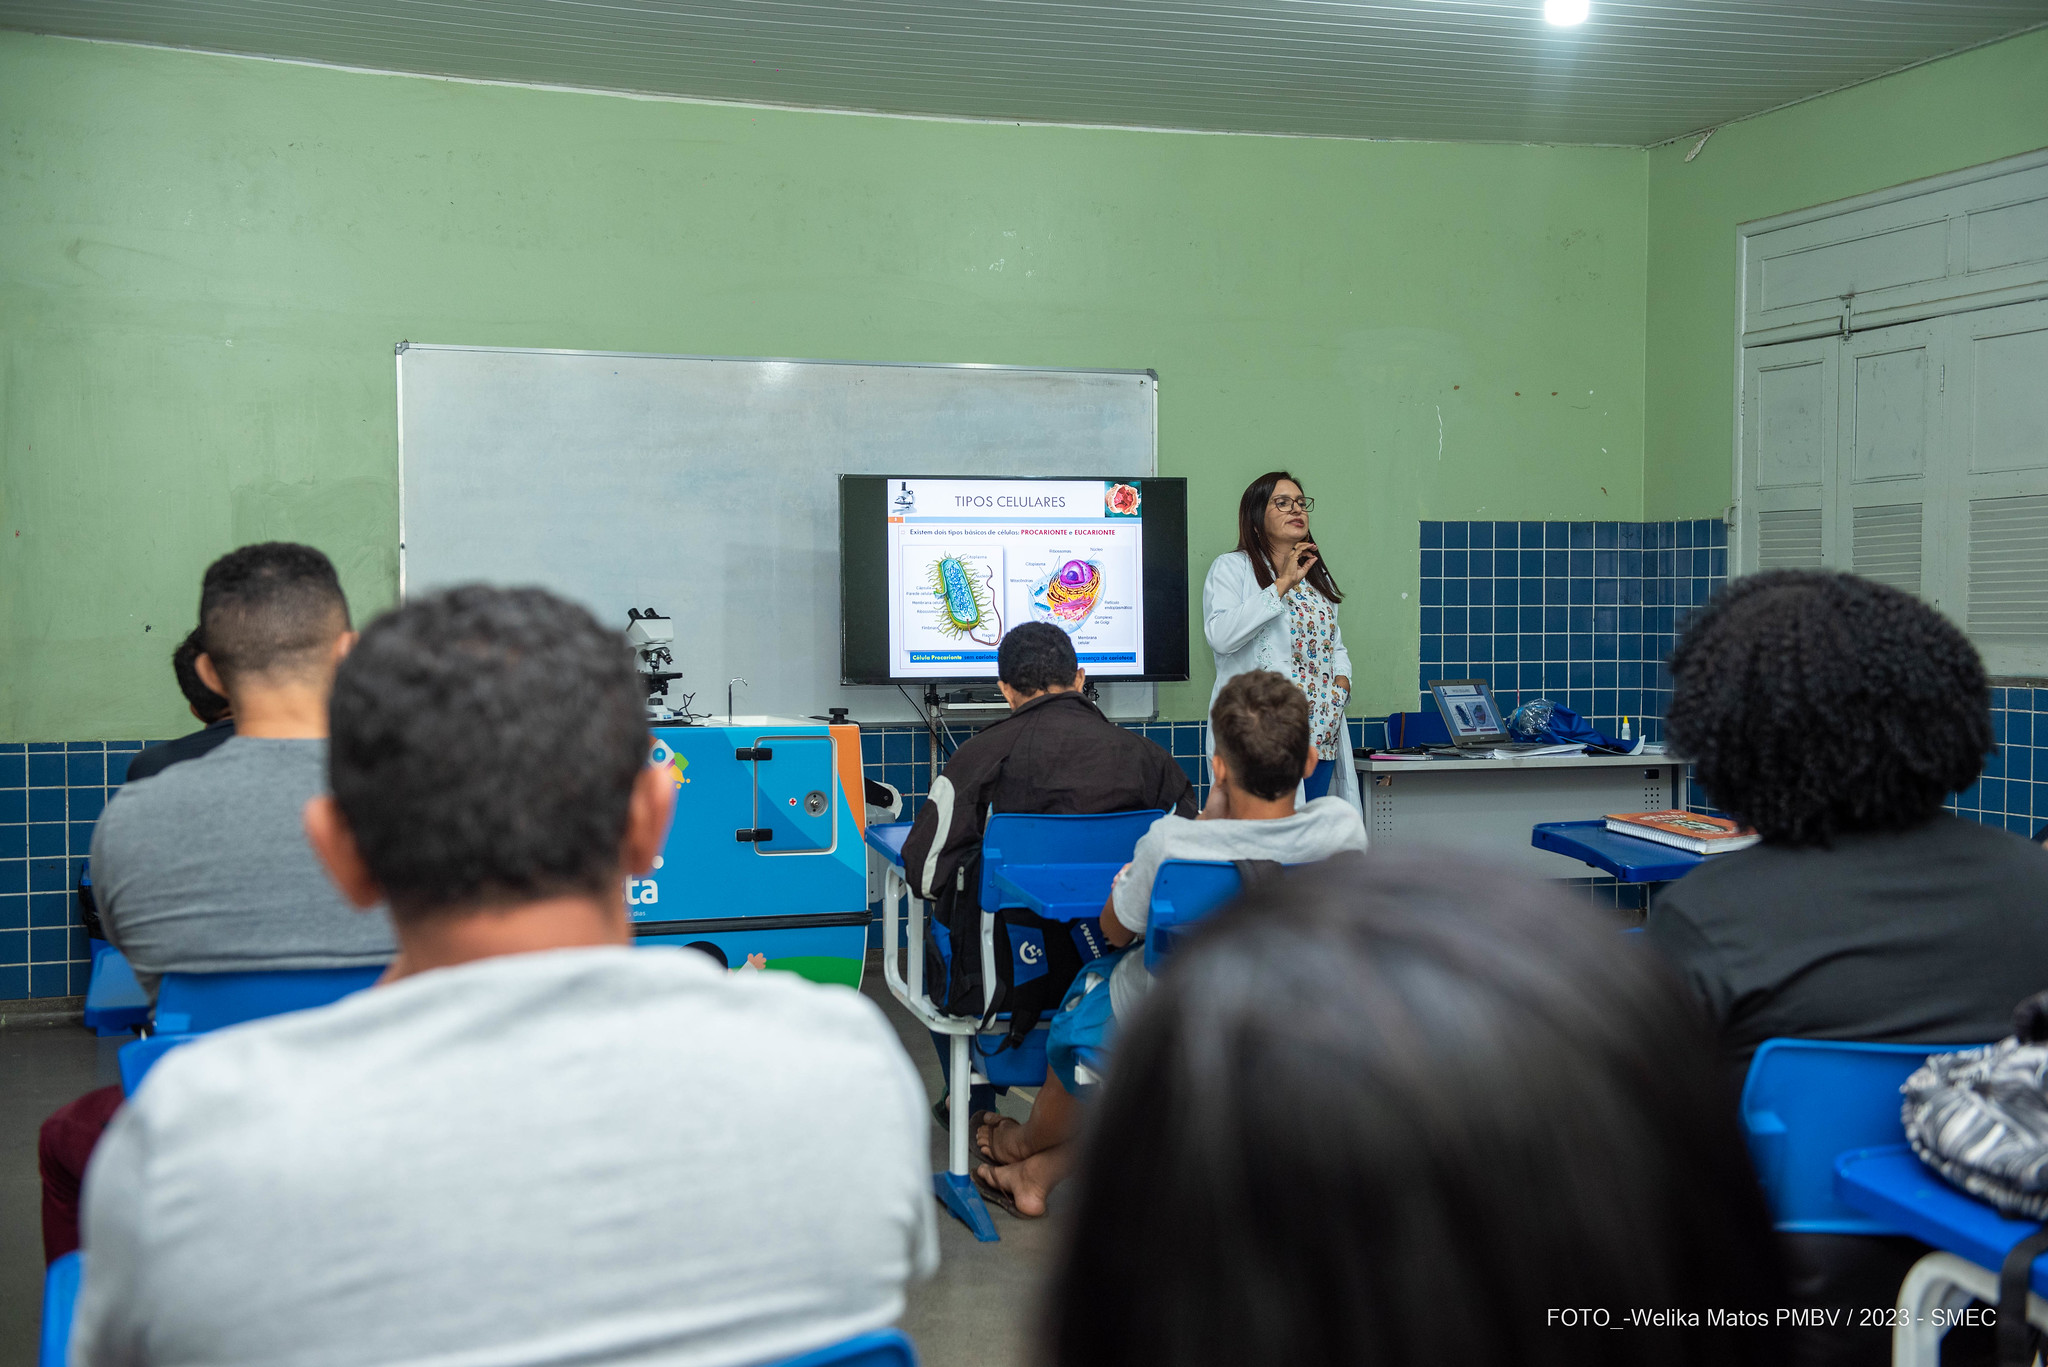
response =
{"points": [[756, 753], [757, 835]]}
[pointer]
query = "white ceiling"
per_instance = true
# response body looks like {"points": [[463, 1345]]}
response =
{"points": [[1640, 71]]}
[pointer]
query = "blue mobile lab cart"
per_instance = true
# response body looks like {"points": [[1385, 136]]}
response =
{"points": [[765, 860]]}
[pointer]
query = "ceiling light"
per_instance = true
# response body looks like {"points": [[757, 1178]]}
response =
{"points": [[1565, 13]]}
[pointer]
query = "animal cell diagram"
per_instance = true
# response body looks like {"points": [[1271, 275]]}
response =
{"points": [[966, 607], [1067, 594]]}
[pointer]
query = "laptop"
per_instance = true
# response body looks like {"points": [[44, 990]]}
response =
{"points": [[1472, 716]]}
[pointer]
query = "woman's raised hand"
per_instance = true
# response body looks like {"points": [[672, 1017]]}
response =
{"points": [[1294, 567]]}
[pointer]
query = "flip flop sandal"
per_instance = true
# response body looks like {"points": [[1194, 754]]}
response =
{"points": [[996, 1118], [992, 1193]]}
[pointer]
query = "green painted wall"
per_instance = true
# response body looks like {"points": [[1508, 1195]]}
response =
{"points": [[205, 261], [1944, 116]]}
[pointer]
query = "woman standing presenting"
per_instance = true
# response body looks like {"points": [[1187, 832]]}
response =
{"points": [[1271, 604]]}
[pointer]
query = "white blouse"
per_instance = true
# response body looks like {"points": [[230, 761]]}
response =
{"points": [[1248, 628]]}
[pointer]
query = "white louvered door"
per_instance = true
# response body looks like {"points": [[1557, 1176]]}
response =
{"points": [[1890, 450], [1894, 402], [1998, 502], [1788, 442]]}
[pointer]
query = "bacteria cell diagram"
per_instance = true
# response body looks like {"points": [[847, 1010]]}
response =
{"points": [[967, 607]]}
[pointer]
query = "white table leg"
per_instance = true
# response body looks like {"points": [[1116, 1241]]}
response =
{"points": [[958, 1098]]}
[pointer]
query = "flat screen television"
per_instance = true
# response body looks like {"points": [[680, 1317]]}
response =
{"points": [[934, 569]]}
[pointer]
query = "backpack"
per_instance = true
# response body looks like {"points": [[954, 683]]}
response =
{"points": [[1084, 1030], [1036, 959], [1979, 1117]]}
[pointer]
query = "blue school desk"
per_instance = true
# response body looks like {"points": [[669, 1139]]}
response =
{"points": [[1971, 1238], [1629, 858], [765, 855]]}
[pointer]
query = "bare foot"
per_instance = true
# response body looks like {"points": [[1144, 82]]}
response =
{"points": [[1021, 1188], [999, 1138]]}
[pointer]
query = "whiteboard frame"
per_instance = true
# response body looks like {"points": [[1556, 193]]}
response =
{"points": [[398, 361], [1126, 701]]}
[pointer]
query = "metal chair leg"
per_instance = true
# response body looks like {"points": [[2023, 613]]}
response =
{"points": [[1936, 1287]]}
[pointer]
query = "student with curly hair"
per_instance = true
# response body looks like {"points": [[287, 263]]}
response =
{"points": [[1835, 715]]}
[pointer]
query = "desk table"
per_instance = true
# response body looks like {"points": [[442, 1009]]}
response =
{"points": [[1487, 807], [888, 839], [1629, 858], [1059, 892], [1973, 1240]]}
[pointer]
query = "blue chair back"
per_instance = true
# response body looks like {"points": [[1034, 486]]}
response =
{"points": [[1012, 839], [1807, 1101], [1184, 892], [883, 1348], [60, 1299], [1018, 838], [192, 1003], [139, 1056], [115, 1003], [1317, 784]]}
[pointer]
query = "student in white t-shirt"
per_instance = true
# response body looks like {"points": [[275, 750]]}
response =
{"points": [[531, 1144], [1260, 722]]}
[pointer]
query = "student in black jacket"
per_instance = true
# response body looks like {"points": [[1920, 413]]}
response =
{"points": [[1055, 754], [209, 707], [1835, 715]]}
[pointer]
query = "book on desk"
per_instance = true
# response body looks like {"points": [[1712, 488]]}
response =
{"points": [[1688, 831]]}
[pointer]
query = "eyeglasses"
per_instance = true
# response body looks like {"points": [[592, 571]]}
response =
{"points": [[1292, 505]]}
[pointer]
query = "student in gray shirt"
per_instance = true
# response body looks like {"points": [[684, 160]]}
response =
{"points": [[532, 1143], [1260, 722], [204, 868]]}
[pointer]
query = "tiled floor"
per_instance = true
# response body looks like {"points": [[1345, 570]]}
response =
{"points": [[41, 1068]]}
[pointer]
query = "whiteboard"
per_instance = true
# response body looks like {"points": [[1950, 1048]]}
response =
{"points": [[706, 488]]}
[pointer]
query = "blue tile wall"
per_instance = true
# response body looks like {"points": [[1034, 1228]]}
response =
{"points": [[2013, 793], [1582, 613], [1585, 613], [50, 795], [900, 755], [52, 792]]}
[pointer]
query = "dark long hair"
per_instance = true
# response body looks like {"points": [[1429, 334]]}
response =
{"points": [[1814, 704], [1251, 536], [1400, 1110]]}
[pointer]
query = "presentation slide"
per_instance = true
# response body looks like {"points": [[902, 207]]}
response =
{"points": [[969, 559], [1469, 711]]}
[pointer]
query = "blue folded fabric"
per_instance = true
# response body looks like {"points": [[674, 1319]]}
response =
{"points": [[1544, 720]]}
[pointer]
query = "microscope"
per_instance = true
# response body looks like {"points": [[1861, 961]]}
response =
{"points": [[651, 635]]}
